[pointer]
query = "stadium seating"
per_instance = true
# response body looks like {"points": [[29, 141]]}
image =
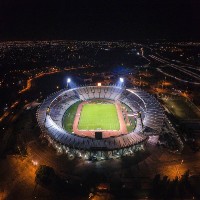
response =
{"points": [[139, 101]]}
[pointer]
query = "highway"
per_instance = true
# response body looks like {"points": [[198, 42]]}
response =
{"points": [[188, 70]]}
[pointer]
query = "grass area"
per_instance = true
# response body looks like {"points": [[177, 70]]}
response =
{"points": [[130, 127], [99, 116], [182, 108], [133, 124], [69, 116]]}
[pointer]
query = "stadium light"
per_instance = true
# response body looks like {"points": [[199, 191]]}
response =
{"points": [[68, 80], [121, 80]]}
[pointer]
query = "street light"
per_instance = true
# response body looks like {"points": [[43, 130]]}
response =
{"points": [[121, 80]]}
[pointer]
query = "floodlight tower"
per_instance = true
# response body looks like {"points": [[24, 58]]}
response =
{"points": [[121, 80], [68, 81]]}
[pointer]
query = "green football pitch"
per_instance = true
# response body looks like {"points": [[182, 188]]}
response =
{"points": [[99, 117]]}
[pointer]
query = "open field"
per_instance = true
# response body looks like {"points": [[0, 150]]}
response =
{"points": [[69, 116], [181, 107], [99, 117]]}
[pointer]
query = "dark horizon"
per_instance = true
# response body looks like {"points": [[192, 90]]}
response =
{"points": [[99, 20]]}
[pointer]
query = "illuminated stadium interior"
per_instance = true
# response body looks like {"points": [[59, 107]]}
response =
{"points": [[124, 118]]}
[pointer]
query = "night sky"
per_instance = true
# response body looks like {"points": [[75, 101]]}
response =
{"points": [[99, 20]]}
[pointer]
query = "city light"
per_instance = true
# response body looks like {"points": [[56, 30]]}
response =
{"points": [[35, 163], [93, 124]]}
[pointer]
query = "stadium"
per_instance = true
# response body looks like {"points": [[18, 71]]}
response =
{"points": [[100, 122]]}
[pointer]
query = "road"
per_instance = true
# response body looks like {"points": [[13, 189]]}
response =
{"points": [[188, 70]]}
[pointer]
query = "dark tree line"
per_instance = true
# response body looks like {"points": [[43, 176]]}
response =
{"points": [[45, 175], [164, 188]]}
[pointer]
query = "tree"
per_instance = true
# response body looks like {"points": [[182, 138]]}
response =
{"points": [[167, 189], [44, 175], [156, 186], [184, 184]]}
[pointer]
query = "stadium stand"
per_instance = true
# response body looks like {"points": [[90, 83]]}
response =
{"points": [[139, 101]]}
